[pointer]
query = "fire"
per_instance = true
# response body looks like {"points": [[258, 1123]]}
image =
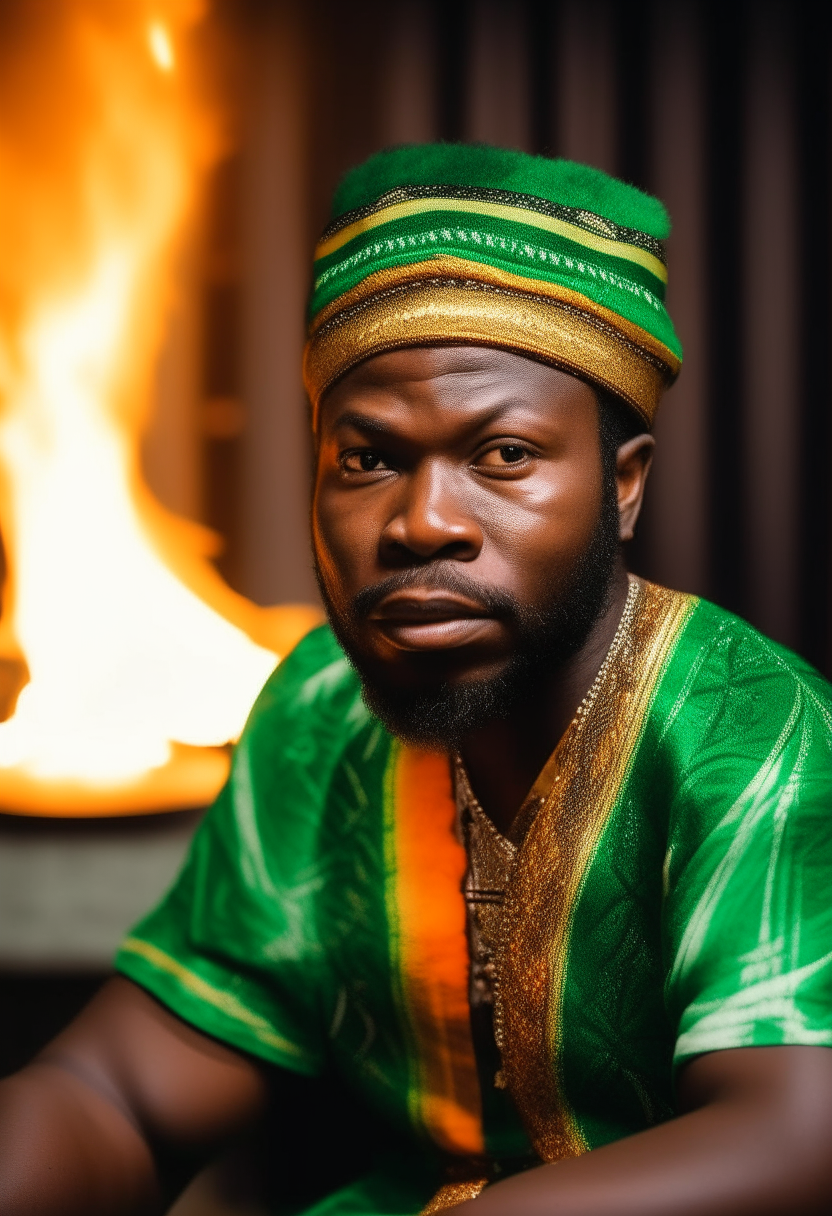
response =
{"points": [[160, 46], [141, 663]]}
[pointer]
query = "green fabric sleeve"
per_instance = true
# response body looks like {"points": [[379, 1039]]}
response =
{"points": [[748, 873], [233, 948]]}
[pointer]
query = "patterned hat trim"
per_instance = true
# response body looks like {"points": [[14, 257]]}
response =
{"points": [[480, 272], [449, 301], [592, 232]]}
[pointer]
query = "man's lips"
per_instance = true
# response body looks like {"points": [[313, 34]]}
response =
{"points": [[421, 620]]}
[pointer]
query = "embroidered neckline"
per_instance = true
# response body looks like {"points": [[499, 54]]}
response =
{"points": [[543, 782]]}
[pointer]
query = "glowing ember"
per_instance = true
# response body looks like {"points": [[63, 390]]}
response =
{"points": [[132, 656]]}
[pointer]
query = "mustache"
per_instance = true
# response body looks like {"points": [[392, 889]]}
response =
{"points": [[494, 602]]}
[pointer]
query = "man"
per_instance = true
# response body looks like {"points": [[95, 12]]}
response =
{"points": [[544, 868]]}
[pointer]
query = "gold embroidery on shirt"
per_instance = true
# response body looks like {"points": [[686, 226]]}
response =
{"points": [[579, 786]]}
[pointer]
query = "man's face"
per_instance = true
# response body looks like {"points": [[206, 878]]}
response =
{"points": [[463, 539]]}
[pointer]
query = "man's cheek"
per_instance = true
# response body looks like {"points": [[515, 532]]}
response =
{"points": [[326, 553], [339, 555]]}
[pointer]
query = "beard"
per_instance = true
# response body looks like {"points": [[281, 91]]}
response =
{"points": [[438, 713]]}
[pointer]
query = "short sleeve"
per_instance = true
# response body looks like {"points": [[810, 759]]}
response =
{"points": [[233, 947], [748, 904]]}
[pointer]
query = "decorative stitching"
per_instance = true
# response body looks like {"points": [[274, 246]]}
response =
{"points": [[579, 216], [225, 1002], [588, 772], [464, 236]]}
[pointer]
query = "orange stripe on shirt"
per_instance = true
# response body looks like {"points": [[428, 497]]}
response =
{"points": [[429, 913]]}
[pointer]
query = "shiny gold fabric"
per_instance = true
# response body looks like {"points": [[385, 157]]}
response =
{"points": [[586, 775], [452, 1194], [485, 307]]}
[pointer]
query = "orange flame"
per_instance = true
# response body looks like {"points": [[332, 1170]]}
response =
{"points": [[135, 660], [160, 46]]}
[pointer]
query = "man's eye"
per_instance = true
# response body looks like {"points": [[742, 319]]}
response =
{"points": [[505, 454], [363, 462]]}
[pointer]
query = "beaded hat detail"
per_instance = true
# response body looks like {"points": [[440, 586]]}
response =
{"points": [[452, 244]]}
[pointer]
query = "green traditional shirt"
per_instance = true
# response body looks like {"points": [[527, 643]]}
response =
{"points": [[670, 897]]}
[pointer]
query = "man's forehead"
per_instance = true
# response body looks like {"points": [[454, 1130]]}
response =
{"points": [[421, 363], [468, 384], [437, 366]]}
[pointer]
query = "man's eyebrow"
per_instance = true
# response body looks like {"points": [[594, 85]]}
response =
{"points": [[495, 412], [375, 426], [363, 422]]}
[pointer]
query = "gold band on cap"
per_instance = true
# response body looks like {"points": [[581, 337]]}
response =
{"points": [[439, 304]]}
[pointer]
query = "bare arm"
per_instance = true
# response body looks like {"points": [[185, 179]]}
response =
{"points": [[83, 1127], [755, 1140]]}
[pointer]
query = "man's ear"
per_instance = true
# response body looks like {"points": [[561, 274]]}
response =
{"points": [[632, 465]]}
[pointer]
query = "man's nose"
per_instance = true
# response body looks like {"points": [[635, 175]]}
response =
{"points": [[431, 518]]}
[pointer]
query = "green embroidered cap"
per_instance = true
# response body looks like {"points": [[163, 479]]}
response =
{"points": [[454, 243]]}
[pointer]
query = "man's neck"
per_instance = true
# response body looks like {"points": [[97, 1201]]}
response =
{"points": [[504, 758]]}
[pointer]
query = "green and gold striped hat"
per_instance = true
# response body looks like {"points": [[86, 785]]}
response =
{"points": [[454, 243]]}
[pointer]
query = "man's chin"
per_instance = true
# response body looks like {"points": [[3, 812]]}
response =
{"points": [[439, 716]]}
